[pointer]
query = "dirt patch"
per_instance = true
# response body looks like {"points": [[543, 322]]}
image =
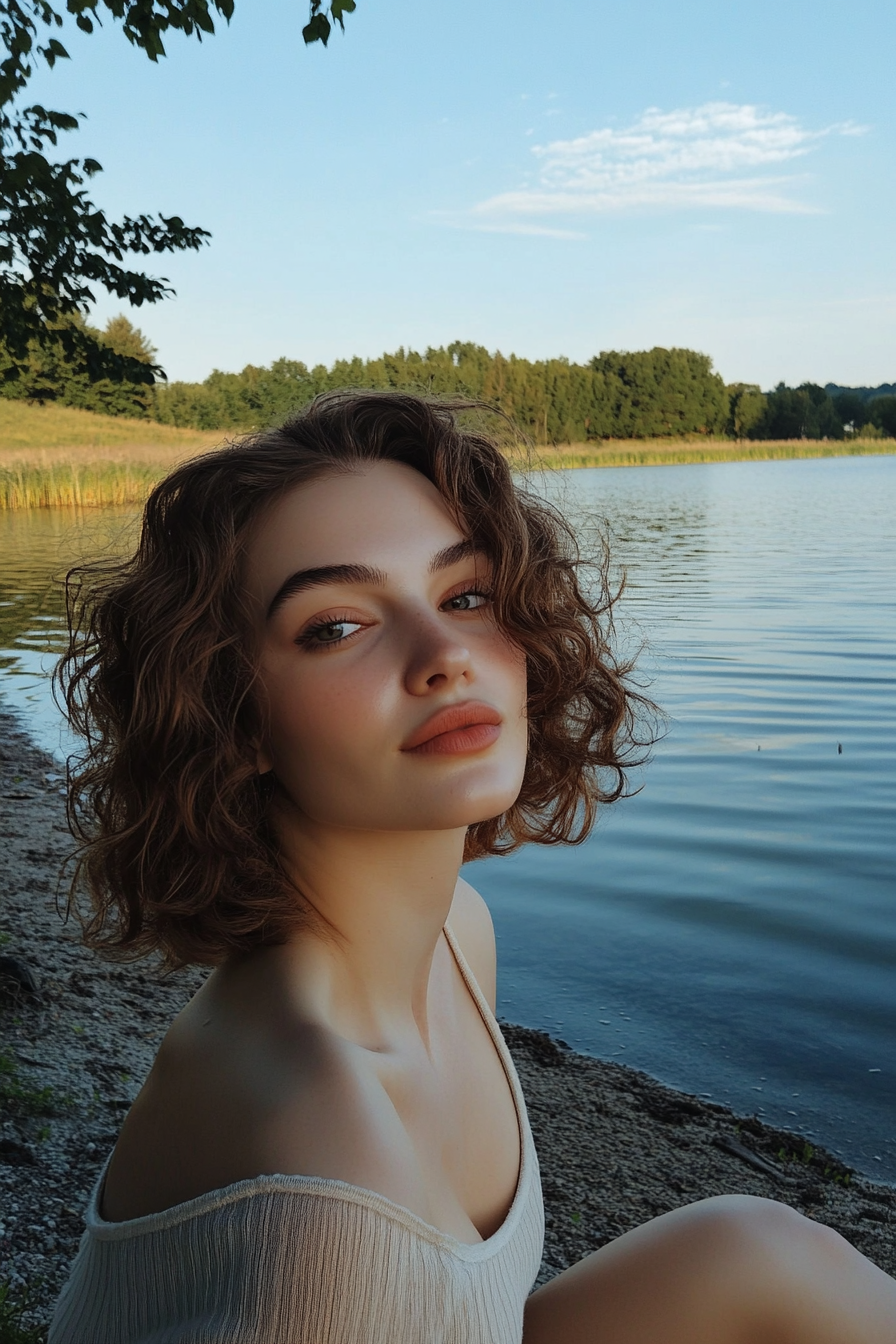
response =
{"points": [[617, 1148]]}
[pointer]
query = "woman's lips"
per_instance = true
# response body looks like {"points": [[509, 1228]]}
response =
{"points": [[474, 738], [458, 729]]}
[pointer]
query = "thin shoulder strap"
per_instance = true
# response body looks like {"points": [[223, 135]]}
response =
{"points": [[527, 1150], [471, 982], [480, 1000]]}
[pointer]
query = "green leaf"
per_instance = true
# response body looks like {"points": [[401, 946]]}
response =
{"points": [[340, 7], [318, 30], [53, 51], [60, 121]]}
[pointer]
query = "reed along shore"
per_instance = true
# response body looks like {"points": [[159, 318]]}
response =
{"points": [[62, 457], [79, 1035]]}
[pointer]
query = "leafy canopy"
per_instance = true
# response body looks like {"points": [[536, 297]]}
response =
{"points": [[669, 393], [56, 245]]}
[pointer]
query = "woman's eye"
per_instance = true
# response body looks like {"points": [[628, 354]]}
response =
{"points": [[329, 632], [468, 601]]}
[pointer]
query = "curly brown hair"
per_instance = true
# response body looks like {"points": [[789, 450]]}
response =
{"points": [[177, 852]]}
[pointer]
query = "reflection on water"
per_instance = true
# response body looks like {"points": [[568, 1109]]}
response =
{"points": [[37, 548], [732, 928]]}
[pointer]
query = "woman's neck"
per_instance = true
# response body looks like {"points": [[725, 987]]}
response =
{"points": [[379, 902]]}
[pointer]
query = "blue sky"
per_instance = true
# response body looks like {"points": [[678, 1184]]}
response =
{"points": [[543, 180]]}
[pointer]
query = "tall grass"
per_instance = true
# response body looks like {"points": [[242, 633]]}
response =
{"points": [[76, 485], [649, 453], [55, 456]]}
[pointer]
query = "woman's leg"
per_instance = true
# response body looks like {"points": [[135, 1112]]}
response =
{"points": [[730, 1270]]}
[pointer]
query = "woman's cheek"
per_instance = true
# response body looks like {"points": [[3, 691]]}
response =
{"points": [[331, 713]]}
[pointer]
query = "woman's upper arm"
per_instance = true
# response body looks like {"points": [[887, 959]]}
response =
{"points": [[471, 924]]}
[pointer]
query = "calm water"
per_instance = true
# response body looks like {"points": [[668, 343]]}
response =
{"points": [[732, 929]]}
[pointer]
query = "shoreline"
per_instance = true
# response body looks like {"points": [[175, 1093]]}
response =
{"points": [[691, 452], [615, 1146], [58, 477]]}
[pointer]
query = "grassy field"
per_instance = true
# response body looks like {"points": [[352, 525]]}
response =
{"points": [[27, 430], [54, 455]]}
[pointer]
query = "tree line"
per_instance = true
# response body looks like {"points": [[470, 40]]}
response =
{"points": [[645, 394]]}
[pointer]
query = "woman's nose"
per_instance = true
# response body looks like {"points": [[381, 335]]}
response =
{"points": [[436, 658]]}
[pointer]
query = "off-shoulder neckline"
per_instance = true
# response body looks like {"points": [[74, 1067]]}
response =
{"points": [[343, 1191]]}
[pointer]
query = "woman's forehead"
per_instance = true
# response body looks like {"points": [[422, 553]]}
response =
{"points": [[368, 515]]}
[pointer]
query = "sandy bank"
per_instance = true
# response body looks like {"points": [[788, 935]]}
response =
{"points": [[616, 1148]]}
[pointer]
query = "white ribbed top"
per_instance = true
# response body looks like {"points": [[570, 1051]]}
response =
{"points": [[303, 1260]]}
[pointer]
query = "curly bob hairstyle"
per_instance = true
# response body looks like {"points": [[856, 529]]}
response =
{"points": [[176, 850]]}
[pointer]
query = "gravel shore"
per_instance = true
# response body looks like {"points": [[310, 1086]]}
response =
{"points": [[78, 1037]]}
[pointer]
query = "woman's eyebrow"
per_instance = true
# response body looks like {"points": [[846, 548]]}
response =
{"points": [[314, 578], [452, 555]]}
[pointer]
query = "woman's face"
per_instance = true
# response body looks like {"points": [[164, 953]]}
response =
{"points": [[395, 702]]}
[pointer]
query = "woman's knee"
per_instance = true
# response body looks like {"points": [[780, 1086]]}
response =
{"points": [[695, 1275], [787, 1272], [745, 1216], [728, 1269], [755, 1235]]}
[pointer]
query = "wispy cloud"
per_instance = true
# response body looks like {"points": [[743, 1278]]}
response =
{"points": [[721, 155], [510, 226]]}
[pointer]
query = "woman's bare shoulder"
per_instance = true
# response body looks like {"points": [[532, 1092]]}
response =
{"points": [[215, 1112], [471, 924]]}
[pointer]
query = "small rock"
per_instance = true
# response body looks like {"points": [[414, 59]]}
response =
{"points": [[15, 1154], [17, 979], [874, 1215]]}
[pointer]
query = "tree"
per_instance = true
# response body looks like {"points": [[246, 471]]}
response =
{"points": [[658, 392], [56, 246], [47, 374], [851, 409], [747, 407], [881, 411], [804, 412]]}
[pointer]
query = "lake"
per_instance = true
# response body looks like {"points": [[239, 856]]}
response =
{"points": [[732, 928]]}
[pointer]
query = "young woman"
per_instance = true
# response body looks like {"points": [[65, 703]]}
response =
{"points": [[347, 655]]}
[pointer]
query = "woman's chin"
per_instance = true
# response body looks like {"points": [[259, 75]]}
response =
{"points": [[459, 816], [456, 805], [462, 814], [473, 805]]}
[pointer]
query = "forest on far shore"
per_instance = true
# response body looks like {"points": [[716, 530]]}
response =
{"points": [[616, 395]]}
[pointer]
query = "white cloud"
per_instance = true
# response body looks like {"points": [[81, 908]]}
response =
{"points": [[508, 226], [720, 155]]}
